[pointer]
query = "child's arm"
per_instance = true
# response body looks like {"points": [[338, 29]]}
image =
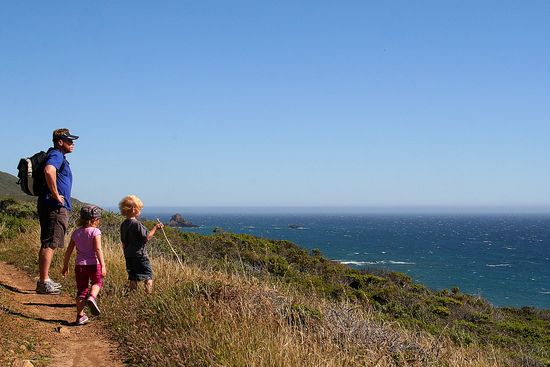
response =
{"points": [[68, 254], [153, 230], [99, 254]]}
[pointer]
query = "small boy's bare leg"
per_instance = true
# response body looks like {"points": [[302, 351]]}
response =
{"points": [[149, 286], [133, 285]]}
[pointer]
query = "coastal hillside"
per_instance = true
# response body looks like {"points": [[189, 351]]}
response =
{"points": [[10, 188], [242, 300]]}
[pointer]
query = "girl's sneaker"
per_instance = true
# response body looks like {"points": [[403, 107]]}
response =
{"points": [[92, 303], [81, 320]]}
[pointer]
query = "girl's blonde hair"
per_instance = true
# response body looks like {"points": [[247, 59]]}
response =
{"points": [[130, 205]]}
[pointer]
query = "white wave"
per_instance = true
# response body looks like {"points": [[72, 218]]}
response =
{"points": [[401, 263], [353, 262], [498, 265], [543, 292], [358, 263], [379, 262]]}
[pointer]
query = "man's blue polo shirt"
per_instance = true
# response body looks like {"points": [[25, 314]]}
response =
{"points": [[64, 179]]}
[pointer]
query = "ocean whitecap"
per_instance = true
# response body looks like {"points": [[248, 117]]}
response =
{"points": [[360, 263]]}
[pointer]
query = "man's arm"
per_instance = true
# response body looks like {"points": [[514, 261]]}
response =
{"points": [[50, 172]]}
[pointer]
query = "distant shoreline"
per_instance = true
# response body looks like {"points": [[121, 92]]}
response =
{"points": [[337, 210]]}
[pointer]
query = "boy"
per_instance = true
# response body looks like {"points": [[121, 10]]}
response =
{"points": [[134, 236]]}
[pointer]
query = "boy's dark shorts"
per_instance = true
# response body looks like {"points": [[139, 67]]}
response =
{"points": [[139, 268], [53, 226]]}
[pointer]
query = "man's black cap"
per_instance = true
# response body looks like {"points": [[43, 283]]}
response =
{"points": [[67, 136]]}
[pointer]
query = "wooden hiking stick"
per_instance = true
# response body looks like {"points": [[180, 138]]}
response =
{"points": [[167, 240]]}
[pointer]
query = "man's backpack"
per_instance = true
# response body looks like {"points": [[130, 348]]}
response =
{"points": [[31, 174]]}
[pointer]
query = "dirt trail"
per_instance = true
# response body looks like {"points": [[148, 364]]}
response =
{"points": [[52, 317]]}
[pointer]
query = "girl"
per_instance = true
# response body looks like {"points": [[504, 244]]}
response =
{"points": [[90, 265]]}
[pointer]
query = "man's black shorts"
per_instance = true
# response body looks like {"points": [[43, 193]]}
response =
{"points": [[53, 226]]}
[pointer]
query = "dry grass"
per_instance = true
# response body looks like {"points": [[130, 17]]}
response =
{"points": [[201, 317]]}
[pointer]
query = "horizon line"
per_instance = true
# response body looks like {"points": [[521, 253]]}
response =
{"points": [[412, 209]]}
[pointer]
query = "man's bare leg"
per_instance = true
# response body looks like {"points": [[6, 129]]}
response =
{"points": [[45, 256]]}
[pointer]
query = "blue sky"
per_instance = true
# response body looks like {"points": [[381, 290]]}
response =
{"points": [[285, 103]]}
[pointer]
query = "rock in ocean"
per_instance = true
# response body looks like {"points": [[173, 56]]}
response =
{"points": [[178, 221]]}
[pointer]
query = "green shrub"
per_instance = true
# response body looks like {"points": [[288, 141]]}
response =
{"points": [[303, 314], [276, 265], [521, 328], [400, 278], [361, 281], [448, 301], [441, 311], [461, 337], [383, 294], [466, 325], [11, 226]]}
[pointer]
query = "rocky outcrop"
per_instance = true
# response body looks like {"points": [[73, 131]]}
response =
{"points": [[178, 221], [295, 226]]}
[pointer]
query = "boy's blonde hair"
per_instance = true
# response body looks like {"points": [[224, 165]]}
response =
{"points": [[130, 205]]}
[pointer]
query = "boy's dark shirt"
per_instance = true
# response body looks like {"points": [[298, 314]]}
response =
{"points": [[133, 236]]}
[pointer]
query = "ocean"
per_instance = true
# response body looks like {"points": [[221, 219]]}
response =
{"points": [[503, 258]]}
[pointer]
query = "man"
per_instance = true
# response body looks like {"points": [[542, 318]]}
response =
{"points": [[54, 203]]}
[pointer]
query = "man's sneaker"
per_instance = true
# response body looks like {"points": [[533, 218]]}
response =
{"points": [[53, 284], [92, 303], [46, 288], [81, 320]]}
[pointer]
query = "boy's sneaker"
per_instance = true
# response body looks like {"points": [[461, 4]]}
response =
{"points": [[81, 320], [92, 303], [46, 288]]}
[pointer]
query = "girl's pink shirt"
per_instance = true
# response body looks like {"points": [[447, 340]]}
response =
{"points": [[84, 240]]}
